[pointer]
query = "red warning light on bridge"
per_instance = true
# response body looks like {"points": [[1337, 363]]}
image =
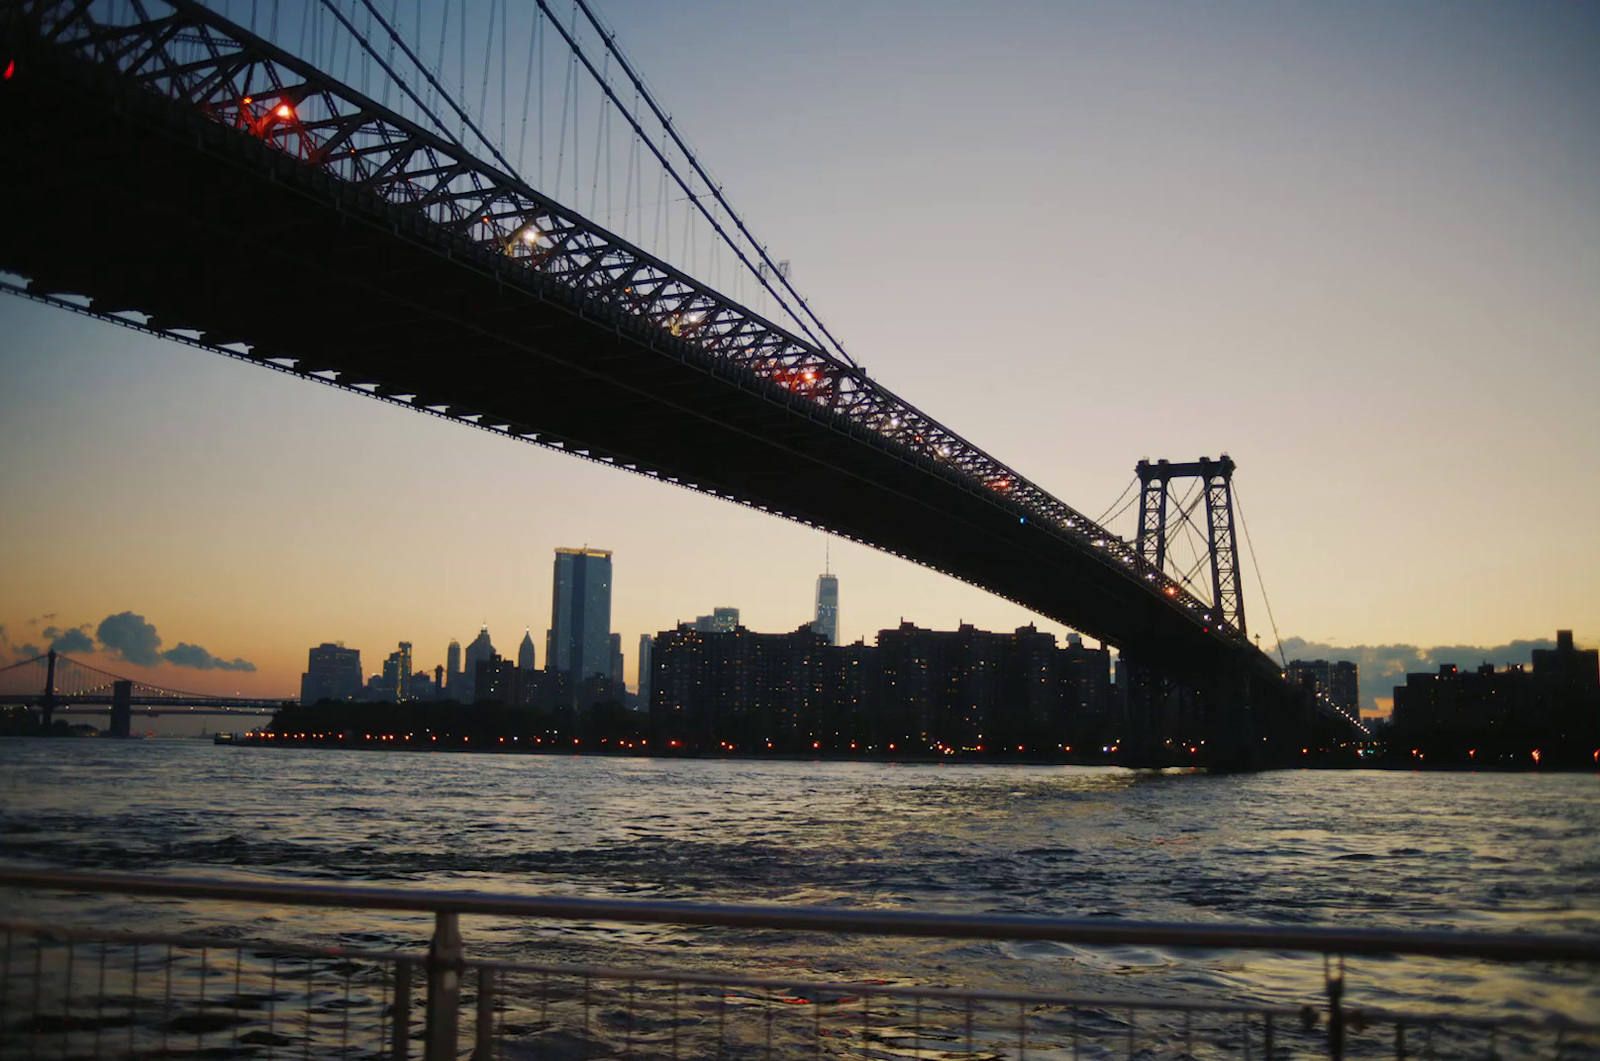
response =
{"points": [[11, 69]]}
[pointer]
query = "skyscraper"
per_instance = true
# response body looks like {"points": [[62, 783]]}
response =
{"points": [[527, 658], [580, 616], [646, 644], [827, 620], [452, 670], [397, 674], [404, 654], [481, 649]]}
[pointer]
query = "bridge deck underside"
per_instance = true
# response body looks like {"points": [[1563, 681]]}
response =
{"points": [[145, 207]]}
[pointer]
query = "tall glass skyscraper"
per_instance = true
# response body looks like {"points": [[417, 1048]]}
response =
{"points": [[580, 615], [827, 620]]}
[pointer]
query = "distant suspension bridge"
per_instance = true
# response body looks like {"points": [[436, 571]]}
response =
{"points": [[52, 682]]}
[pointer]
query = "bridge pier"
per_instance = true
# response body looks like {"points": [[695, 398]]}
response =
{"points": [[122, 709], [47, 702], [1234, 740]]}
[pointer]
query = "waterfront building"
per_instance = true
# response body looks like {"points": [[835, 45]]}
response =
{"points": [[710, 689], [497, 682], [579, 643], [333, 672], [826, 621], [1344, 686], [527, 657], [1088, 697], [1338, 682], [917, 691], [618, 686], [1309, 673], [1552, 706]]}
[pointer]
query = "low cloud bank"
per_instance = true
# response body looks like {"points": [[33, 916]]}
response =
{"points": [[125, 636], [187, 655]]}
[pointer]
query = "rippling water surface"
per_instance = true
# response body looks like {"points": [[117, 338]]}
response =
{"points": [[1502, 852]]}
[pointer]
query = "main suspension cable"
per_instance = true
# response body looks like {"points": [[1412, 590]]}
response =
{"points": [[466, 120], [1239, 504], [714, 190], [1107, 513]]}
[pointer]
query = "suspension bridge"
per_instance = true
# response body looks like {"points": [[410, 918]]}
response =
{"points": [[331, 205], [52, 682]]}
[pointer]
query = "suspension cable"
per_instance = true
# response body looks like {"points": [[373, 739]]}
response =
{"points": [[714, 190], [669, 170], [1239, 504], [1118, 513], [426, 73], [1107, 513]]}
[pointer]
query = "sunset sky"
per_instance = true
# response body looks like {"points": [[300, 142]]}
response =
{"points": [[1356, 246]]}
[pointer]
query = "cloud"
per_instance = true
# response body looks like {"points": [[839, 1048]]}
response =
{"points": [[72, 639], [127, 636], [1385, 666], [187, 655], [18, 652]]}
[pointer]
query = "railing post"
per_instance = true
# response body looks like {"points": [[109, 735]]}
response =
{"points": [[484, 1029], [400, 1026], [444, 988], [1335, 1009]]}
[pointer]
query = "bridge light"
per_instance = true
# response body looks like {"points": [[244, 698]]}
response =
{"points": [[531, 235], [284, 111], [11, 69], [248, 100]]}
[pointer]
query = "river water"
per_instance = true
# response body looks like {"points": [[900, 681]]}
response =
{"points": [[1475, 852]]}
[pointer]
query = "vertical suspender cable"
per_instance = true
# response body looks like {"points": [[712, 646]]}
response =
{"points": [[577, 123], [714, 191], [527, 93], [488, 53], [504, 34], [669, 170], [405, 48]]}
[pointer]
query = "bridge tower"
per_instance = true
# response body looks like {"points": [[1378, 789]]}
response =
{"points": [[1227, 595], [47, 701], [122, 708], [1164, 711]]}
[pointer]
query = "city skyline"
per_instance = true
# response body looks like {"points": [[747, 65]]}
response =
{"points": [[1355, 249]]}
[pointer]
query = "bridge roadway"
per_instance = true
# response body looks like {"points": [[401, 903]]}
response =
{"points": [[143, 204]]}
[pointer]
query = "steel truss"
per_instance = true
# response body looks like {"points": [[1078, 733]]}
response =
{"points": [[185, 53], [1216, 478]]}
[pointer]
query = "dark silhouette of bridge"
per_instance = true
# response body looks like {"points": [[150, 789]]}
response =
{"points": [[263, 210], [53, 682]]}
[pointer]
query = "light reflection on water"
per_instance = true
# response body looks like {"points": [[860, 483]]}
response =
{"points": [[1499, 852]]}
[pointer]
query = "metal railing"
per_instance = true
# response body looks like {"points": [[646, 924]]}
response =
{"points": [[90, 992]]}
